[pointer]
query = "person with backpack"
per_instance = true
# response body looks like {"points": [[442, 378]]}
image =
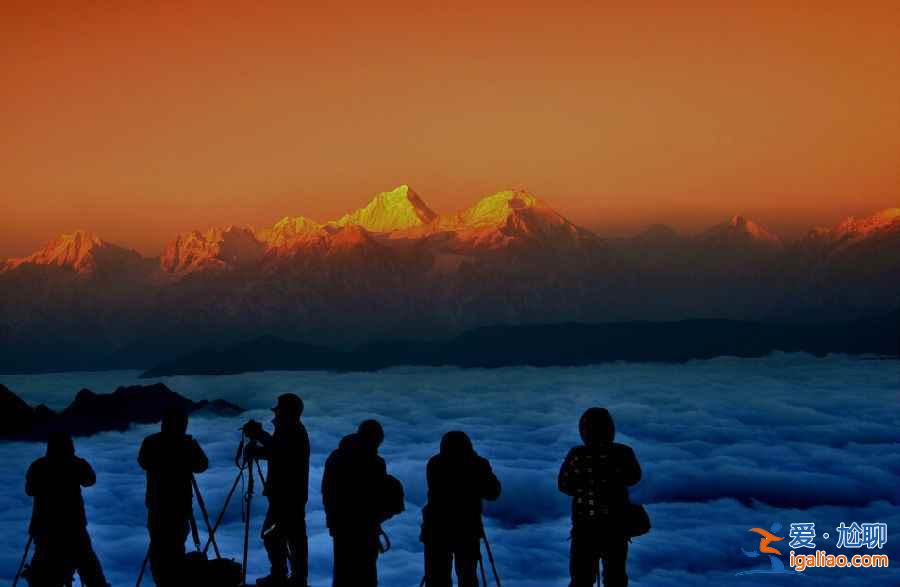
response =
{"points": [[58, 522], [287, 489], [458, 482], [597, 475], [358, 496], [170, 458]]}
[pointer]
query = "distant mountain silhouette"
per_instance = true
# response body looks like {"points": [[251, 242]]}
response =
{"points": [[90, 412], [556, 345], [395, 269]]}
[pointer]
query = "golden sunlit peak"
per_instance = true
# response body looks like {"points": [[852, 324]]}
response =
{"points": [[495, 209], [398, 209]]}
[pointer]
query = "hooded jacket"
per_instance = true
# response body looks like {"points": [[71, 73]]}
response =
{"points": [[170, 457], [597, 474], [55, 481], [351, 483], [458, 482]]}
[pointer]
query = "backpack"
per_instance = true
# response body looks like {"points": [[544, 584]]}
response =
{"points": [[390, 499], [637, 521], [222, 572]]}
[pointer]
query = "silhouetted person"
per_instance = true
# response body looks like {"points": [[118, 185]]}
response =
{"points": [[58, 523], [458, 480], [597, 475], [356, 493], [287, 488], [170, 457]]}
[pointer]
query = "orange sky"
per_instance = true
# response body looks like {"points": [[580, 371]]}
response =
{"points": [[149, 118]]}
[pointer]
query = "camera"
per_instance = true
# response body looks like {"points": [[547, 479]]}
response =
{"points": [[251, 428]]}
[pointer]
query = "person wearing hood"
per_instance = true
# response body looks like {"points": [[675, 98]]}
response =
{"points": [[287, 489], [170, 458], [458, 481], [358, 496], [58, 522], [597, 475]]}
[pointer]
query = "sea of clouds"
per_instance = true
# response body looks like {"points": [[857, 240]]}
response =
{"points": [[725, 444]]}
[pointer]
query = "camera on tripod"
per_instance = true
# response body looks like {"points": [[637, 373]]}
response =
{"points": [[245, 453]]}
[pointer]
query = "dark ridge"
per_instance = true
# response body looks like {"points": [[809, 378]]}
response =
{"points": [[556, 345], [90, 412]]}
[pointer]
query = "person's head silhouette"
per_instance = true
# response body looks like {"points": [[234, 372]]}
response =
{"points": [[456, 445], [370, 434], [174, 421], [60, 445], [288, 409], [596, 426]]}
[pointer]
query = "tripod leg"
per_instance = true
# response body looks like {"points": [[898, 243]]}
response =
{"points": [[143, 568], [262, 478], [24, 559], [219, 519], [481, 566], [194, 533], [249, 501], [487, 547], [209, 529]]}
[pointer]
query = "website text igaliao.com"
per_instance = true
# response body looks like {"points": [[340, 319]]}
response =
{"points": [[821, 559]]}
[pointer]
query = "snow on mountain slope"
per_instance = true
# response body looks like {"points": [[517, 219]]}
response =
{"points": [[81, 251], [216, 248], [740, 232], [852, 233], [508, 216], [399, 209]]}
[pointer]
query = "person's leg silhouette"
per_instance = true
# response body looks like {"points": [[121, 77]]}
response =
{"points": [[583, 558], [438, 564], [465, 557], [615, 555]]}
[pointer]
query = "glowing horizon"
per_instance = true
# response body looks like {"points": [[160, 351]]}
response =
{"points": [[142, 123]]}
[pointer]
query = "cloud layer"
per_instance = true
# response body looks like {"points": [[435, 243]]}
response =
{"points": [[726, 445]]}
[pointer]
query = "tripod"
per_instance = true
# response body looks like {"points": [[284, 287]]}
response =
{"points": [[24, 559], [245, 461], [487, 547], [195, 534]]}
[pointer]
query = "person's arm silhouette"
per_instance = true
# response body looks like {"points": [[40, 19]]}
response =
{"points": [[84, 472], [629, 470], [199, 462], [490, 485], [31, 482], [145, 455], [329, 490]]}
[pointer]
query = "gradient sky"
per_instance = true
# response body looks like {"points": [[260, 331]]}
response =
{"points": [[138, 120]]}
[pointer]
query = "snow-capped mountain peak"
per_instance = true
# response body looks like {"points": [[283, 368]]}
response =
{"points": [[740, 230], [80, 250], [398, 209], [288, 230], [217, 248], [864, 226]]}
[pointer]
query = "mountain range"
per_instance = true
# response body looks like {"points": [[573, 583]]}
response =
{"points": [[90, 412], [396, 269]]}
